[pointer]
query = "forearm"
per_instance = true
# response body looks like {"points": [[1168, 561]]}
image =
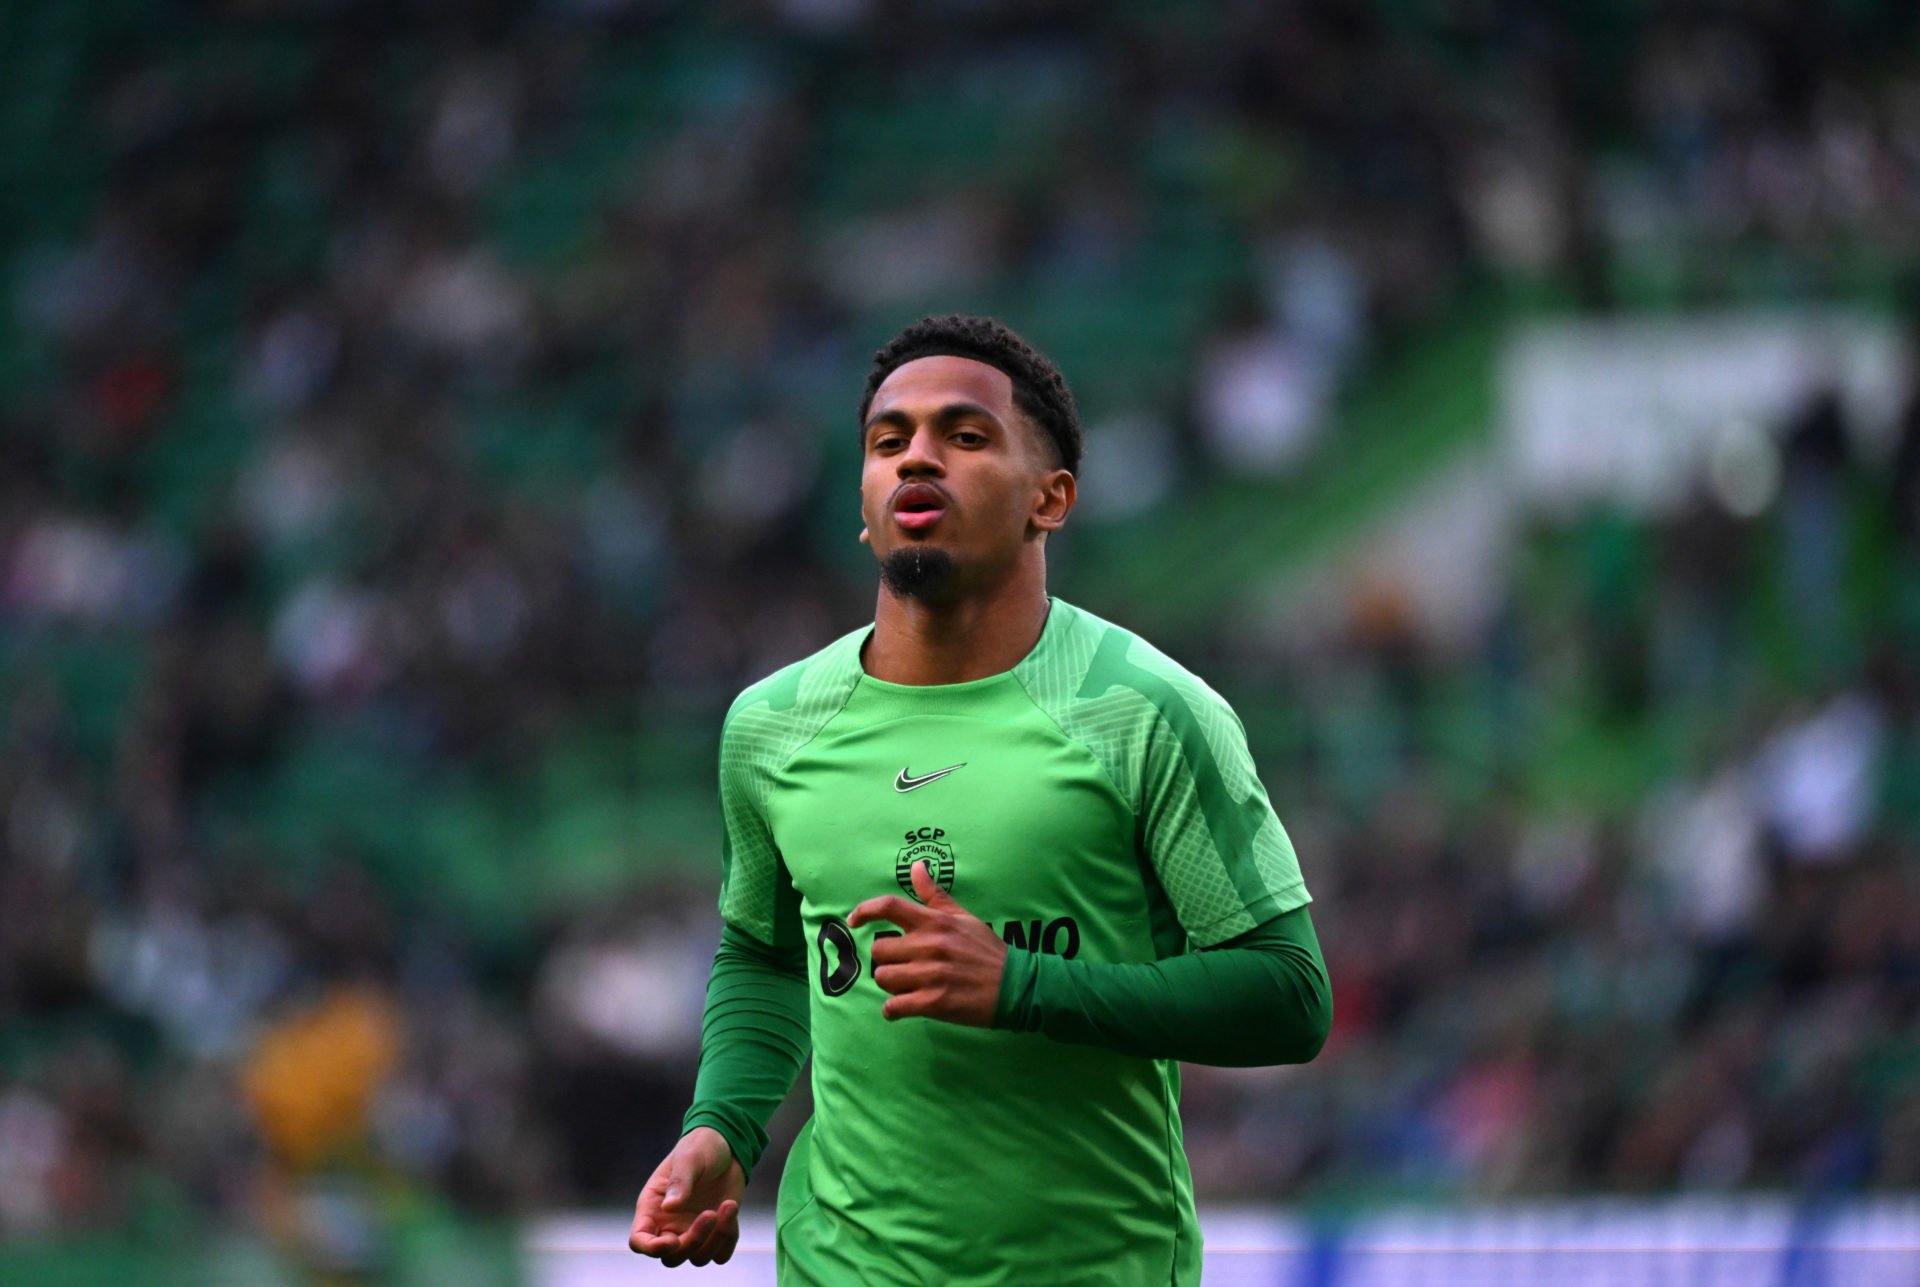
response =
{"points": [[1262, 998], [753, 1041]]}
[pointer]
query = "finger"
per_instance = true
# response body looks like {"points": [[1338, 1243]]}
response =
{"points": [[891, 947], [723, 1219], [899, 979], [652, 1244], [929, 890], [723, 1245], [921, 1003], [726, 1239], [890, 907], [646, 1218], [684, 1242], [695, 1235], [697, 1253]]}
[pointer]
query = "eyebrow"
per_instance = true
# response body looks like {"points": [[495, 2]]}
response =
{"points": [[945, 415]]}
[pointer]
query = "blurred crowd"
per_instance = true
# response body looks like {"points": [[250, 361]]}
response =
{"points": [[446, 376], [1611, 899]]}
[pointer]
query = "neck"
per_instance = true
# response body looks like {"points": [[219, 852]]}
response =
{"points": [[969, 637]]}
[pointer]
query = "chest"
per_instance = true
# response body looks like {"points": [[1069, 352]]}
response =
{"points": [[1018, 822]]}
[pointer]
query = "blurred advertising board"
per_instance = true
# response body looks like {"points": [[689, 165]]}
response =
{"points": [[1691, 1241]]}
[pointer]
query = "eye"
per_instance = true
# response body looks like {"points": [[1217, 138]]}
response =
{"points": [[970, 438]]}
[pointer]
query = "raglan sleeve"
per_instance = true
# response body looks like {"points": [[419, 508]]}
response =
{"points": [[1205, 822], [756, 893], [754, 1034]]}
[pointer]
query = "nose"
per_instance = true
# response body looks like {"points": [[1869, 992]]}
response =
{"points": [[922, 455]]}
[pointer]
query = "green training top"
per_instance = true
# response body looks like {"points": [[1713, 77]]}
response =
{"points": [[1096, 802]]}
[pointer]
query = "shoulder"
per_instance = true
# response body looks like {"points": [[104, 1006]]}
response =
{"points": [[775, 716], [1094, 660], [1139, 712]]}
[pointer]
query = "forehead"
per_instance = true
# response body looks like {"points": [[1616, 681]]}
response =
{"points": [[931, 382]]}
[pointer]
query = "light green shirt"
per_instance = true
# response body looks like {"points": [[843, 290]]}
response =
{"points": [[1097, 802]]}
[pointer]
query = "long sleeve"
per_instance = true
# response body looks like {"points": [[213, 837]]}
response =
{"points": [[1260, 998], [753, 1041]]}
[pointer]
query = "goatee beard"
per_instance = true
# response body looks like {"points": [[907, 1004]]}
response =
{"points": [[917, 572]]}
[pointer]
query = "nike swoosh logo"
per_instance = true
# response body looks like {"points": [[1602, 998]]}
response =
{"points": [[906, 782]]}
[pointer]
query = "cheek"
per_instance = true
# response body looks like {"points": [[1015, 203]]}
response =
{"points": [[872, 495], [1010, 502]]}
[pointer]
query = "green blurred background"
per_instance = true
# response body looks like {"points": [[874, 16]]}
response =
{"points": [[418, 419]]}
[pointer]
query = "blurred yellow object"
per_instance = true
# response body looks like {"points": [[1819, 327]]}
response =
{"points": [[312, 1078]]}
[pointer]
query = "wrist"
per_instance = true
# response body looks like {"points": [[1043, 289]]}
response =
{"points": [[708, 1137], [706, 1129], [1013, 1010]]}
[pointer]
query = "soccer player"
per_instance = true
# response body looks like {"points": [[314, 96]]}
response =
{"points": [[999, 864]]}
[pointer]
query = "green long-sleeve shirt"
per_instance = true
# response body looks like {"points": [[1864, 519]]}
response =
{"points": [[1096, 805]]}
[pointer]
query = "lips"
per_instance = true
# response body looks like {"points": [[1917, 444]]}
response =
{"points": [[918, 506]]}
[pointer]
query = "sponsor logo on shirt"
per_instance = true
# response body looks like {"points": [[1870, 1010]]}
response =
{"points": [[839, 956], [841, 964], [907, 782]]}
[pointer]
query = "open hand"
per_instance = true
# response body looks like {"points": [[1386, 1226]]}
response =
{"points": [[947, 965], [690, 1208]]}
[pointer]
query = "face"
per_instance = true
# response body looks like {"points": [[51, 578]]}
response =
{"points": [[952, 466]]}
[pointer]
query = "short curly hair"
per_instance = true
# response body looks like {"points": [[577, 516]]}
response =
{"points": [[1039, 390]]}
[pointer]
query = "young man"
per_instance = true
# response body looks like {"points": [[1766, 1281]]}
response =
{"points": [[1000, 865]]}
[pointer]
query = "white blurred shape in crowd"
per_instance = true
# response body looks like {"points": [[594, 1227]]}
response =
{"points": [[291, 489], [1743, 468], [638, 994], [1817, 779], [327, 638], [463, 305], [888, 258], [1263, 397], [1313, 287], [1706, 848], [1134, 469], [204, 984], [92, 572]]}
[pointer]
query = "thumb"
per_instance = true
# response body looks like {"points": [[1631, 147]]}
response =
{"points": [[929, 890], [677, 1185]]}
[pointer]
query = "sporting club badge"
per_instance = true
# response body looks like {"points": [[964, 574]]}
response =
{"points": [[925, 844]]}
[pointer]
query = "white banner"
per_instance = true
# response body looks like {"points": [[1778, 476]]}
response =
{"points": [[1677, 1242], [1630, 408]]}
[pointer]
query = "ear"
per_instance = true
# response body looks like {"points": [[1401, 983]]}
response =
{"points": [[866, 537], [1055, 502]]}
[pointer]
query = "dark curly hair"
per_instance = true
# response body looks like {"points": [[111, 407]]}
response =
{"points": [[1039, 390]]}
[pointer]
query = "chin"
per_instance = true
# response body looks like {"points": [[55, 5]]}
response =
{"points": [[921, 570]]}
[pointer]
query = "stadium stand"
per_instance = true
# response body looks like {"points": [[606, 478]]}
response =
{"points": [[419, 420]]}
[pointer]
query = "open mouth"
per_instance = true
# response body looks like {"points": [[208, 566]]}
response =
{"points": [[918, 507]]}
